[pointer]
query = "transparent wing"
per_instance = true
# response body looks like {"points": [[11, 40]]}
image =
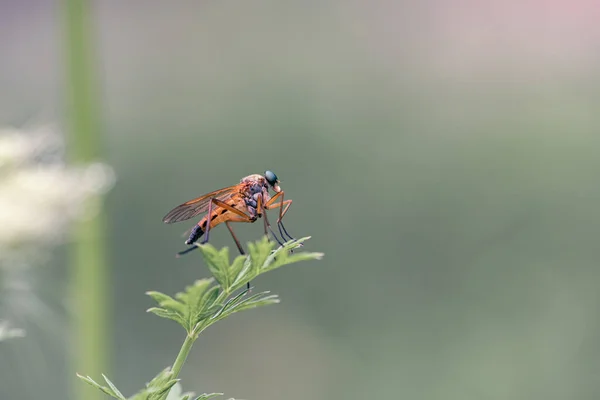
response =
{"points": [[198, 205]]}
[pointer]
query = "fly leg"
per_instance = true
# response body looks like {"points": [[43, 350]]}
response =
{"points": [[208, 221], [198, 230], [237, 242], [243, 217], [235, 239], [271, 204], [262, 210], [240, 217]]}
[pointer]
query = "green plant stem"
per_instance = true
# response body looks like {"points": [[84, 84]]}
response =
{"points": [[189, 342], [82, 108], [89, 278], [183, 353], [88, 267]]}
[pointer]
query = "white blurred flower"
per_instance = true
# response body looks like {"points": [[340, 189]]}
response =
{"points": [[7, 332], [39, 194]]}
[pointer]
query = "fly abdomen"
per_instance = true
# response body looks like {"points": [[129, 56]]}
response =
{"points": [[196, 234]]}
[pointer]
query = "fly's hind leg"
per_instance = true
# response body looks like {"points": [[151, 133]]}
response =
{"points": [[198, 231], [235, 239], [239, 217]]}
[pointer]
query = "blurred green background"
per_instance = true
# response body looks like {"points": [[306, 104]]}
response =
{"points": [[443, 154]]}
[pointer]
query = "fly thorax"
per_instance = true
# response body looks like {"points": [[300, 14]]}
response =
{"points": [[251, 211], [251, 202], [266, 196], [255, 188]]}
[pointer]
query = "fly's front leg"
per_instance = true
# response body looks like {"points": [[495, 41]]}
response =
{"points": [[261, 212], [282, 210]]}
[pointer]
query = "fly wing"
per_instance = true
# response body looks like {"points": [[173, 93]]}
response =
{"points": [[198, 205]]}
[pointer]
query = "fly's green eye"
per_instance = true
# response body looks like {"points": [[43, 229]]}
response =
{"points": [[271, 178]]}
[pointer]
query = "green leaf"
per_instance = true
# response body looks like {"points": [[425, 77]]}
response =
{"points": [[176, 393], [111, 390], [207, 304], [230, 303], [158, 387], [279, 259], [197, 302], [259, 251], [204, 303], [194, 293], [244, 275], [206, 396], [174, 306], [113, 387], [161, 312], [218, 263], [163, 376], [169, 307], [238, 304], [159, 297], [283, 256], [264, 258], [255, 301], [264, 301], [160, 392], [209, 297], [261, 258], [237, 266]]}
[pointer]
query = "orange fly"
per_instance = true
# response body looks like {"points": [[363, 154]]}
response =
{"points": [[244, 202]]}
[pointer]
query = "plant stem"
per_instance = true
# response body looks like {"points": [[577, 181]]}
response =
{"points": [[89, 273], [89, 280], [183, 353]]}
